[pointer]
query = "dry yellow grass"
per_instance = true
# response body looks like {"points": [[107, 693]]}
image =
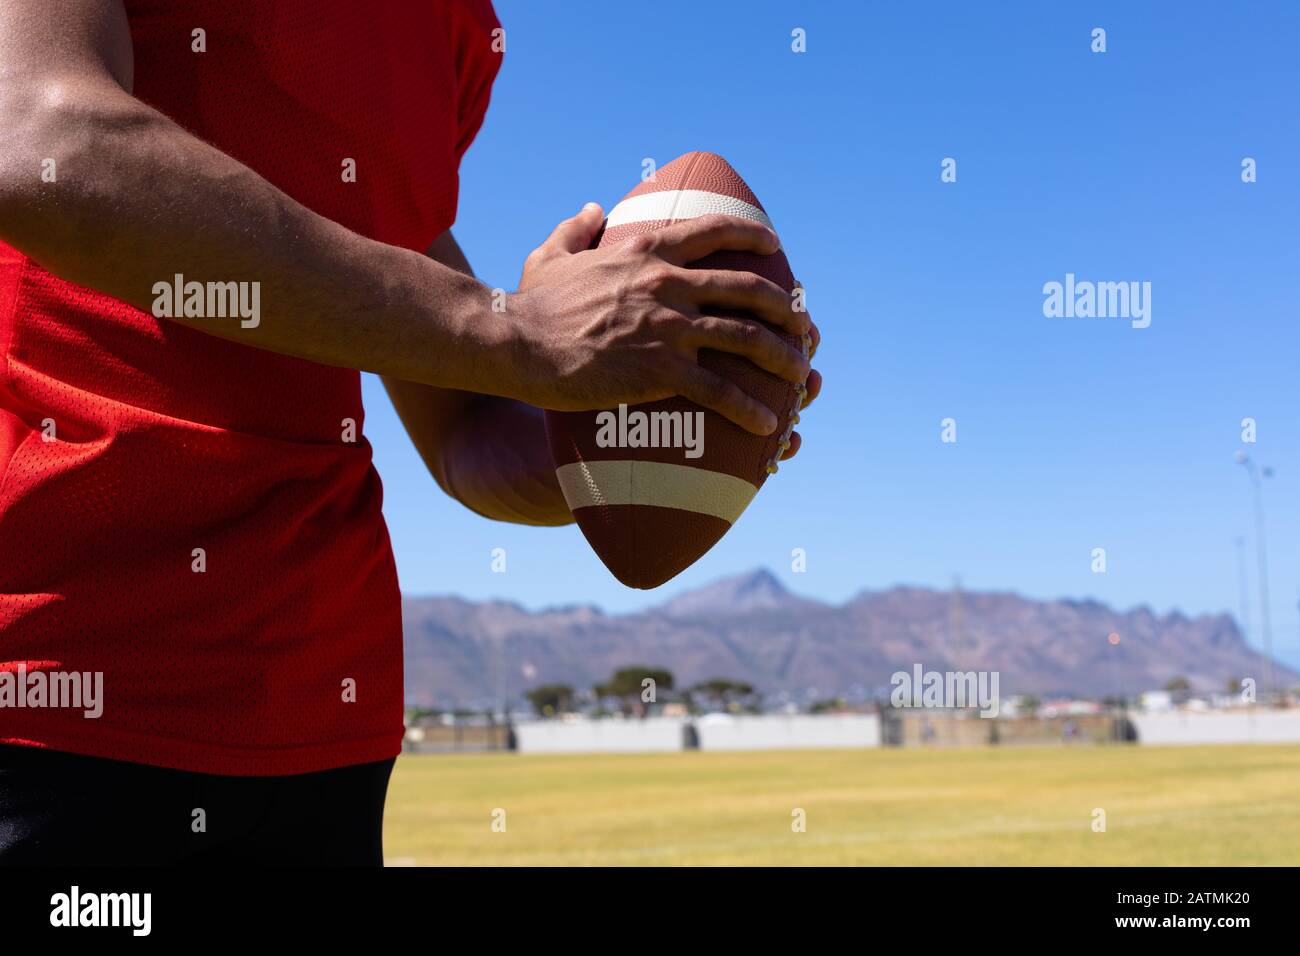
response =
{"points": [[1011, 806]]}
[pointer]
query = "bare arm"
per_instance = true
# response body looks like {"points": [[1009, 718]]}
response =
{"points": [[138, 200], [488, 453]]}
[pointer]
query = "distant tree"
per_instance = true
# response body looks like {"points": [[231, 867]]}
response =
{"points": [[725, 693], [1234, 685], [551, 699], [1029, 705], [830, 705], [662, 677], [628, 687], [1178, 685]]}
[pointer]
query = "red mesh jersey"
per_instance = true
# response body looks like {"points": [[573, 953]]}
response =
{"points": [[167, 440]]}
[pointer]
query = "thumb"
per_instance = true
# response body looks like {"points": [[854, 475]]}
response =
{"points": [[574, 234]]}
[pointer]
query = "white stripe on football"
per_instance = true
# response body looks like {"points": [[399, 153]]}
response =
{"points": [[594, 484], [673, 204]]}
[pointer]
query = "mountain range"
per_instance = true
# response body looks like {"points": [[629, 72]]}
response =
{"points": [[752, 628]]}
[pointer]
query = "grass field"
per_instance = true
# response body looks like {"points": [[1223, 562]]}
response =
{"points": [[1221, 805]]}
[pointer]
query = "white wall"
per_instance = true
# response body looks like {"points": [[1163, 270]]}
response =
{"points": [[1235, 727], [787, 732], [653, 735]]}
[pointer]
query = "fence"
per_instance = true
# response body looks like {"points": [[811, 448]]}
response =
{"points": [[893, 728], [653, 735], [1254, 726], [787, 732]]}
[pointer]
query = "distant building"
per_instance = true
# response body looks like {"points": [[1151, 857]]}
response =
{"points": [[1069, 708], [1157, 700]]}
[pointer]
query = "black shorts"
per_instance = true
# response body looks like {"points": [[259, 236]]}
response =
{"points": [[64, 809]]}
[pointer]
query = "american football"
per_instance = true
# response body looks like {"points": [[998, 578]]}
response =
{"points": [[654, 486]]}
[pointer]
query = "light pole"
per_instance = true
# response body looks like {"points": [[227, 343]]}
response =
{"points": [[1243, 596], [1243, 586], [1257, 476]]}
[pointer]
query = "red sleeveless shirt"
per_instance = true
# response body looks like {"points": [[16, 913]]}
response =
{"points": [[184, 515]]}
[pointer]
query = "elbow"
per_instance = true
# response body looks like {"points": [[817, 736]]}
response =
{"points": [[30, 159], [19, 147], [31, 115], [50, 133]]}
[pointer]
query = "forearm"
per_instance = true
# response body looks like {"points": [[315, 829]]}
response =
{"points": [[138, 200], [488, 453], [499, 466]]}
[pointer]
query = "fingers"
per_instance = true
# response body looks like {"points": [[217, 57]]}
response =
{"points": [[750, 339], [813, 388], [692, 239], [744, 291], [729, 401], [717, 394], [816, 336]]}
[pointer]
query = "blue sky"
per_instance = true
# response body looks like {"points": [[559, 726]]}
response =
{"points": [[1072, 433]]}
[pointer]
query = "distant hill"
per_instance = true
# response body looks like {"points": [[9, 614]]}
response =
{"points": [[741, 595], [752, 628]]}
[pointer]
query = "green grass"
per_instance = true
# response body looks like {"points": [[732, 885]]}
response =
{"points": [[1011, 806]]}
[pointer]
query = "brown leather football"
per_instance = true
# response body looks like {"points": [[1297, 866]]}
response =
{"points": [[654, 486]]}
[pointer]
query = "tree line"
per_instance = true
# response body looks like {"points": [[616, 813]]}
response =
{"points": [[632, 690]]}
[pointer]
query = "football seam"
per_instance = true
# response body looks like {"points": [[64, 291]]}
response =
{"points": [[800, 390], [685, 184]]}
